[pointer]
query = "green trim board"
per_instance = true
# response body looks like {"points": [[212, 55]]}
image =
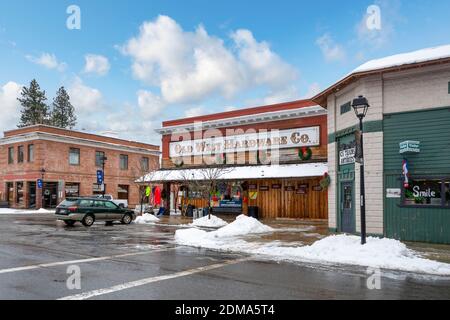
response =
{"points": [[369, 126]]}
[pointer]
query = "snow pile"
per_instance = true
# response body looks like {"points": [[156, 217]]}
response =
{"points": [[206, 222], [220, 239], [341, 249], [24, 211], [146, 218]]}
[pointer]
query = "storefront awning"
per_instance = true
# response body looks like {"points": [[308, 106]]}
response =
{"points": [[242, 173]]}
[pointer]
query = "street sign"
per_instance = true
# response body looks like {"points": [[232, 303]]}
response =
{"points": [[100, 176], [40, 183], [410, 147]]}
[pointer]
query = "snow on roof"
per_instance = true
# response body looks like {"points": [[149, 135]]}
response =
{"points": [[247, 172], [423, 55]]}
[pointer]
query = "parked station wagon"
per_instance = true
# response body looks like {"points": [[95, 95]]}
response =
{"points": [[89, 210]]}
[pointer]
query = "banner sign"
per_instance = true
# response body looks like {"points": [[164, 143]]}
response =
{"points": [[410, 147], [347, 156], [281, 139], [230, 203], [40, 183], [99, 177]]}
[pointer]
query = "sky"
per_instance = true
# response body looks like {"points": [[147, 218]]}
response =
{"points": [[129, 65]]}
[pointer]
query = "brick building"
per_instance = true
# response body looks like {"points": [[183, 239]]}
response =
{"points": [[67, 161], [261, 151]]}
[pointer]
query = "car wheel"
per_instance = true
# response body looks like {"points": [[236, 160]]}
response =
{"points": [[127, 219], [88, 220], [69, 223]]}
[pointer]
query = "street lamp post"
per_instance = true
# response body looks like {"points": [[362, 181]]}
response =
{"points": [[104, 158], [361, 105]]}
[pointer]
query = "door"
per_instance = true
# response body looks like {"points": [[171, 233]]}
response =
{"points": [[113, 212], [10, 190], [32, 194], [50, 194], [347, 208]]}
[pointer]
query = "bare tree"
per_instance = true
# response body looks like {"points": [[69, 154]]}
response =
{"points": [[207, 182]]}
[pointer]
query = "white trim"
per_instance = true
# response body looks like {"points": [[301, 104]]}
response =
{"points": [[304, 112], [75, 140]]}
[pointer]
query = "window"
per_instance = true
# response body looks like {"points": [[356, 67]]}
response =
{"points": [[110, 205], [99, 204], [74, 157], [20, 154], [97, 189], [72, 190], [99, 155], [10, 155], [424, 192], [123, 162], [447, 193], [19, 193], [145, 164], [346, 107], [30, 153], [86, 203], [122, 192]]}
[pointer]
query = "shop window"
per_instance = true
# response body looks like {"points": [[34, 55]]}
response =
{"points": [[19, 193], [424, 192], [20, 154], [122, 192], [97, 189], [10, 155], [74, 157], [123, 162], [99, 155], [30, 153], [72, 190]]}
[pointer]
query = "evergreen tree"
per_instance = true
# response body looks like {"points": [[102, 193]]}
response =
{"points": [[63, 113], [34, 109]]}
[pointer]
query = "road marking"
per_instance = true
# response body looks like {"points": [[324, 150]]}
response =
{"points": [[137, 283], [62, 263]]}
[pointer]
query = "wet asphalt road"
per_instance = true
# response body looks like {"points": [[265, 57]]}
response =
{"points": [[142, 262]]}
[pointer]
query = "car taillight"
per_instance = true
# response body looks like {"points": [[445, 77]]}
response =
{"points": [[72, 209]]}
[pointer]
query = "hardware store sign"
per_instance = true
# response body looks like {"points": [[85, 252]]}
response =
{"points": [[276, 139]]}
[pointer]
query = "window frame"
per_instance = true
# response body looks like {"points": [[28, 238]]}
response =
{"points": [[123, 156], [20, 154], [146, 160], [443, 204], [11, 155], [30, 153], [79, 156], [100, 163]]}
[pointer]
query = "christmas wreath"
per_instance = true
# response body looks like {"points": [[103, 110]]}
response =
{"points": [[325, 181], [305, 153], [178, 163]]}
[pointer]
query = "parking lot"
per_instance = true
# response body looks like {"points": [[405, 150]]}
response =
{"points": [[142, 262]]}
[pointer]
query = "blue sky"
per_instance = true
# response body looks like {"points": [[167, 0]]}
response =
{"points": [[195, 57]]}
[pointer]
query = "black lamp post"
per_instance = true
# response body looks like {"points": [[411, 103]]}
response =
{"points": [[361, 105], [103, 159]]}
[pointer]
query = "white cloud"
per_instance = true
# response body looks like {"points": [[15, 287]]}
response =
{"points": [[48, 61], [190, 66], [331, 50], [96, 64], [313, 89], [150, 105], [288, 94], [194, 112], [84, 98], [10, 106]]}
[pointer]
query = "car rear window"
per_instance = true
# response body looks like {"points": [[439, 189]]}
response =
{"points": [[68, 203]]}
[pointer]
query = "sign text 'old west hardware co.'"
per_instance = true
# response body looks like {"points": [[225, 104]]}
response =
{"points": [[277, 139]]}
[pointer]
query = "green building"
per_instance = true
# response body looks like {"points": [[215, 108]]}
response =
{"points": [[406, 147]]}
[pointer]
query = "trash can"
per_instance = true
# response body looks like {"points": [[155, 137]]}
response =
{"points": [[190, 211], [253, 212]]}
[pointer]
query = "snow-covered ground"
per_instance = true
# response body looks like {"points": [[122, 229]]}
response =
{"points": [[146, 219], [209, 222], [341, 249], [23, 211]]}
